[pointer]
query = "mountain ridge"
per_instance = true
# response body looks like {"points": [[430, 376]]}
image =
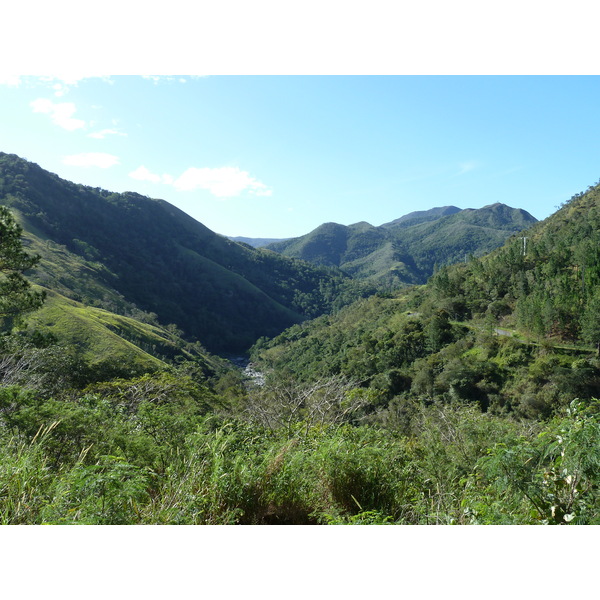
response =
{"points": [[408, 249], [515, 331], [161, 260]]}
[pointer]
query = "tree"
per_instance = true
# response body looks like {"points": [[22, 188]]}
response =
{"points": [[438, 331], [16, 295], [590, 322], [281, 403]]}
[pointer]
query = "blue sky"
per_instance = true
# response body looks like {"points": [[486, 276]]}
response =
{"points": [[276, 156], [281, 155]]}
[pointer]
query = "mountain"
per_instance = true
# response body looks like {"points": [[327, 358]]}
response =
{"points": [[516, 331], [422, 216], [255, 242], [470, 399], [131, 254], [408, 249]]}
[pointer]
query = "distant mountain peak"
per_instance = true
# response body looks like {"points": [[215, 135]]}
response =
{"points": [[424, 215], [407, 249]]}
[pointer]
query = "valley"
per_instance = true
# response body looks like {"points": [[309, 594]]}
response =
{"points": [[430, 370]]}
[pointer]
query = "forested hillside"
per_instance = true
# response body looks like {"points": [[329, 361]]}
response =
{"points": [[468, 400], [136, 253], [515, 331], [407, 250]]}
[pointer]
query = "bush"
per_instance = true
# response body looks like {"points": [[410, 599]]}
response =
{"points": [[551, 478]]}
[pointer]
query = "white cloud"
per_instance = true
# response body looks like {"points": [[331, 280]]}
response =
{"points": [[91, 159], [156, 79], [68, 80], [59, 89], [61, 84], [143, 174], [222, 182], [61, 113], [100, 135], [466, 166]]}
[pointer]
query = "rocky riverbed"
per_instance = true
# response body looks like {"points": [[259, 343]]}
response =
{"points": [[253, 375]]}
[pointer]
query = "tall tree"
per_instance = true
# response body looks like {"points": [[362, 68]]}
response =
{"points": [[16, 295], [590, 321]]}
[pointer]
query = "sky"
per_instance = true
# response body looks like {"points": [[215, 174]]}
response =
{"points": [[268, 118], [275, 156]]}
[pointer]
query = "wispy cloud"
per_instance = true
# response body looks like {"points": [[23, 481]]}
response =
{"points": [[222, 182], [61, 113], [57, 85], [156, 79], [466, 167], [91, 159], [143, 174], [100, 135], [68, 80]]}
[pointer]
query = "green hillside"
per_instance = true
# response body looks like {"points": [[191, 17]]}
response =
{"points": [[99, 336], [452, 238], [422, 216], [133, 255], [407, 250], [468, 400], [515, 331]]}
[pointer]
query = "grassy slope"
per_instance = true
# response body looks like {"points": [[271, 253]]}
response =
{"points": [[100, 335], [78, 310]]}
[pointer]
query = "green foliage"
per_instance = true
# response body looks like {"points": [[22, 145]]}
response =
{"points": [[140, 257], [16, 294], [590, 321], [546, 279], [448, 403], [106, 493], [407, 251], [25, 479], [146, 452], [502, 331], [551, 478], [237, 474]]}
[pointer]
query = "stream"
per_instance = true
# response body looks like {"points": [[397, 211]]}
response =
{"points": [[249, 370]]}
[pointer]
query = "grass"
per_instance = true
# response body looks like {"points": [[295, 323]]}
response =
{"points": [[99, 334]]}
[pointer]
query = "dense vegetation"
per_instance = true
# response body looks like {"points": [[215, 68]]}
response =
{"points": [[514, 332], [156, 259], [469, 400], [166, 448], [407, 250]]}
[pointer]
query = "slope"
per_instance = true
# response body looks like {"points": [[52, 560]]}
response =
{"points": [[146, 254], [407, 250], [99, 336], [515, 331]]}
